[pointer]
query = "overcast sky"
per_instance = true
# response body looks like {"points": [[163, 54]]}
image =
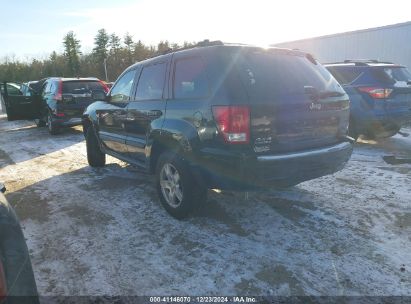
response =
{"points": [[36, 28]]}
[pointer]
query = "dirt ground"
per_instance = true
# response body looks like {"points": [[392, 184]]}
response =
{"points": [[104, 232]]}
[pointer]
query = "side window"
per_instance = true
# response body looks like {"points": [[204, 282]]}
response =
{"points": [[14, 90], [46, 89], [190, 80], [53, 87], [122, 89], [151, 83], [25, 89]]}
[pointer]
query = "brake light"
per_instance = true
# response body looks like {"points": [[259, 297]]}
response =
{"points": [[375, 92], [105, 87], [56, 113], [234, 123], [59, 94], [3, 285]]}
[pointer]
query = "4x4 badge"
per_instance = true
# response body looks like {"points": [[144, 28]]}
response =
{"points": [[315, 106]]}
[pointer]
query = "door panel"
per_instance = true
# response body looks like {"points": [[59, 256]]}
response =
{"points": [[142, 117], [112, 117], [19, 105], [111, 121], [147, 111]]}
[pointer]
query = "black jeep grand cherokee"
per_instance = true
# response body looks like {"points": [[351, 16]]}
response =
{"points": [[222, 116]]}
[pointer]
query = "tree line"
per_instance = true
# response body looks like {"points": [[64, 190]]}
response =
{"points": [[110, 56]]}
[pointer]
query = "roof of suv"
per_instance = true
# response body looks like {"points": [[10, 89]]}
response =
{"points": [[75, 79], [208, 45]]}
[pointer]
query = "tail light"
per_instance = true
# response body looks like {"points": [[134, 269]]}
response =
{"points": [[58, 114], [234, 123], [105, 87], [3, 285], [59, 94], [375, 92]]}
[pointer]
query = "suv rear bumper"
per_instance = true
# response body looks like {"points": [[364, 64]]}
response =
{"points": [[67, 122], [270, 171], [383, 118]]}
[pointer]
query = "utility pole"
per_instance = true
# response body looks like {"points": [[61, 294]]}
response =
{"points": [[105, 68]]}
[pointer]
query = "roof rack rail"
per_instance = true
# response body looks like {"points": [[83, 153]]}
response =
{"points": [[361, 61]]}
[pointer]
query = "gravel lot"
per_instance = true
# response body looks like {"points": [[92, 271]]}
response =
{"points": [[104, 232]]}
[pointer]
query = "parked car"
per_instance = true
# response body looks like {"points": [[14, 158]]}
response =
{"points": [[380, 94], [59, 103], [222, 116], [17, 283], [32, 87]]}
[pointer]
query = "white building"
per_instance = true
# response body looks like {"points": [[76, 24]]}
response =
{"points": [[387, 43]]}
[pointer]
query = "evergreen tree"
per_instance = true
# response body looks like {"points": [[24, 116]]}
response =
{"points": [[163, 47], [114, 43], [101, 42], [53, 62], [129, 43], [71, 62], [72, 53]]}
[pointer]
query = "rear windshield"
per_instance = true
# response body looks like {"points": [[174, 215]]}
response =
{"points": [[81, 87], [345, 75], [393, 75], [268, 73]]}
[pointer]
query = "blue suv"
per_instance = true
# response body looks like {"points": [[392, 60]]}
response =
{"points": [[380, 95]]}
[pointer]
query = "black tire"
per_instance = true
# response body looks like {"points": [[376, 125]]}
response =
{"points": [[183, 194], [389, 131], [40, 122], [95, 157], [53, 129], [383, 132]]}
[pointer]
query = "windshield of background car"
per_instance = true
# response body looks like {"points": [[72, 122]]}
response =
{"points": [[271, 74], [345, 75], [81, 87], [398, 76]]}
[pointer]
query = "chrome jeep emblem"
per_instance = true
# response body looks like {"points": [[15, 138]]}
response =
{"points": [[315, 106]]}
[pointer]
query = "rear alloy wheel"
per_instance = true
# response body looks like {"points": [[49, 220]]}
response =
{"points": [[95, 157], [53, 129], [178, 191]]}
